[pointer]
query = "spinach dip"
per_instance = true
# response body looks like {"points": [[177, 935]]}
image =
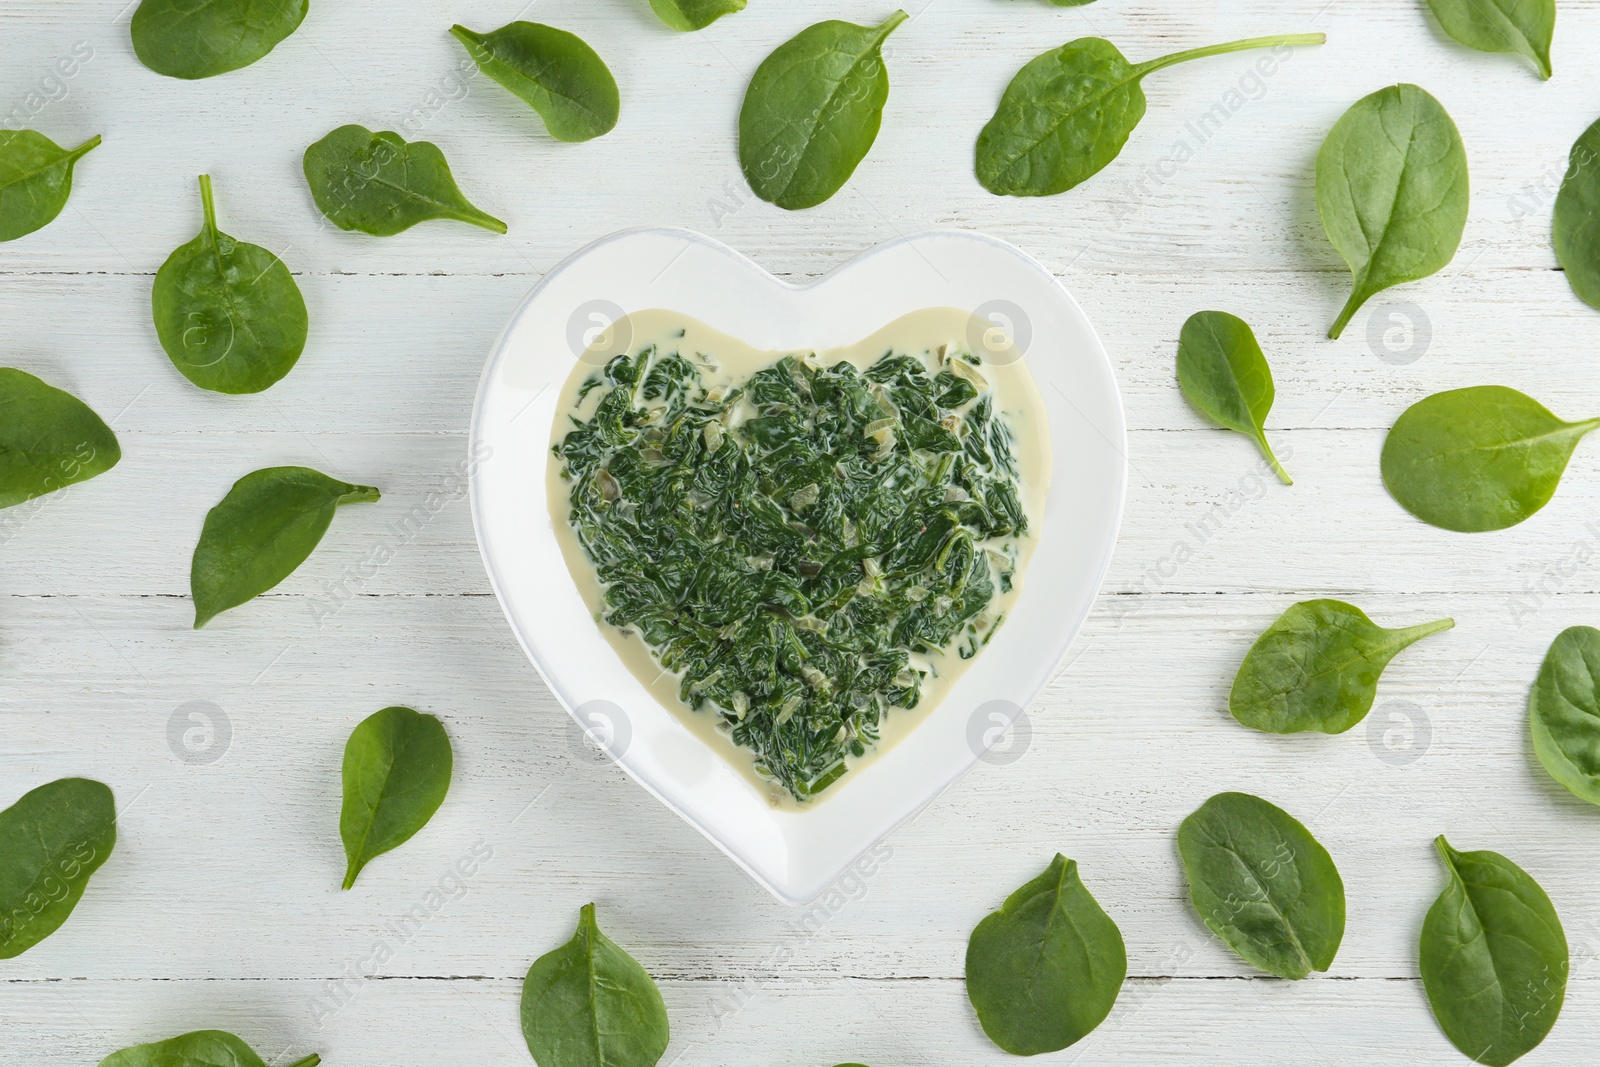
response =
{"points": [[804, 545]]}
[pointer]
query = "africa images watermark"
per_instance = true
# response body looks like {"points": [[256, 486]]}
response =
{"points": [[1555, 576], [53, 885], [68, 472], [1536, 197], [199, 733], [1198, 533], [1198, 132], [852, 887], [356, 576], [335, 994], [52, 88]]}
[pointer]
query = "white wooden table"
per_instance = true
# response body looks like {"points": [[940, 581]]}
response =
{"points": [[221, 906]]}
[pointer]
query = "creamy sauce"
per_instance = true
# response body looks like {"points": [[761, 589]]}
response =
{"points": [[722, 359]]}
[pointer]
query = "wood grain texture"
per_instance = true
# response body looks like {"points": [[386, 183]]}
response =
{"points": [[221, 905]]}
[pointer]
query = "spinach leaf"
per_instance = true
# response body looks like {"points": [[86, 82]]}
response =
{"points": [[51, 841], [1317, 668], [265, 527], [1478, 459], [1263, 884], [694, 14], [35, 180], [1493, 958], [1522, 26], [795, 568], [1045, 969], [1564, 712], [1392, 191], [200, 38], [590, 1004], [1223, 373], [397, 767], [379, 184], [1577, 219], [1068, 113], [49, 439], [203, 1048], [551, 70], [813, 110], [229, 314]]}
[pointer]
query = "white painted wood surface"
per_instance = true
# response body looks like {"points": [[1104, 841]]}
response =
{"points": [[220, 906]]}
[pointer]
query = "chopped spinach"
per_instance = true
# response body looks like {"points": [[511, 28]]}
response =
{"points": [[1068, 113], [1564, 712], [379, 184], [397, 767], [35, 180], [554, 72], [200, 38], [51, 841], [790, 564], [689, 15], [590, 1004], [49, 439], [1317, 667], [1577, 218], [1223, 372], [1045, 970], [228, 313], [1263, 884], [1478, 459], [1522, 26], [1493, 958], [1392, 191], [267, 525], [203, 1048], [813, 110]]}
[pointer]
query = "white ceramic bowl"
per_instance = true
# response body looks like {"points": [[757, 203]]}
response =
{"points": [[795, 854]]}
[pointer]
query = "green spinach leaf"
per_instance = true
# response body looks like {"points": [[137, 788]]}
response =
{"points": [[35, 180], [203, 1048], [49, 439], [552, 71], [1525, 27], [1263, 884], [694, 14], [200, 38], [51, 841], [265, 527], [590, 1004], [1577, 219], [1317, 668], [229, 314], [397, 767], [1493, 958], [1392, 190], [1068, 113], [1564, 712], [379, 184], [1223, 372], [1044, 970], [813, 110], [1477, 459]]}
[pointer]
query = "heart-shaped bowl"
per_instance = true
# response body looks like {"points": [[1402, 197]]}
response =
{"points": [[796, 853]]}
